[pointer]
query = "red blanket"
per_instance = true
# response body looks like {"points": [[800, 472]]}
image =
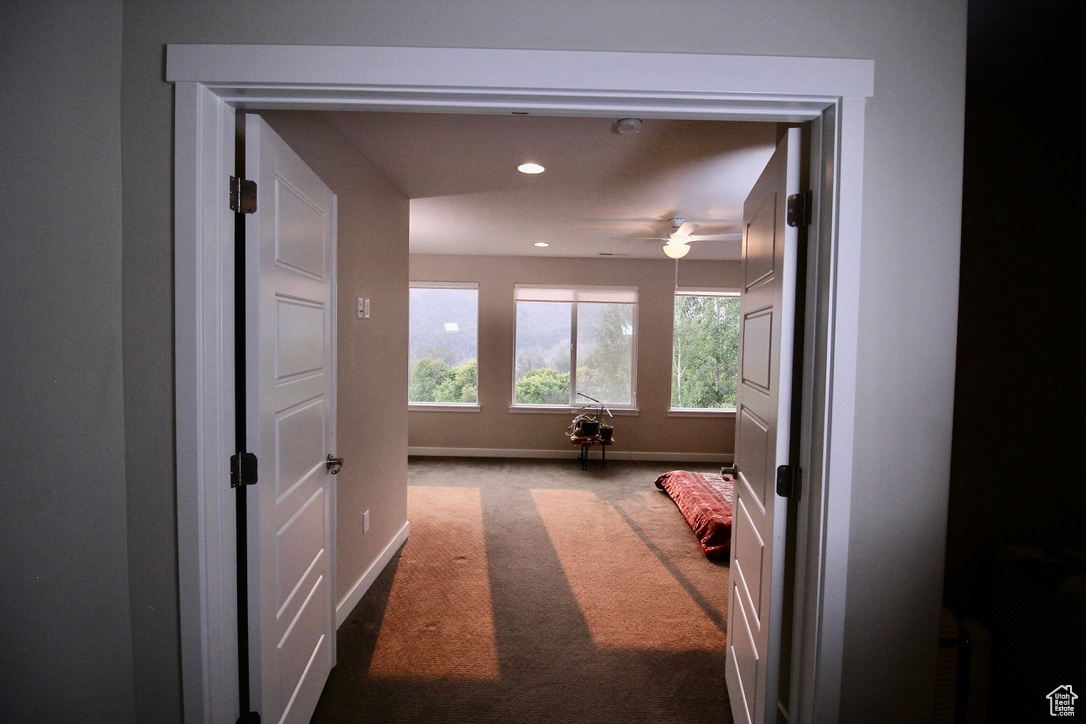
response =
{"points": [[705, 500]]}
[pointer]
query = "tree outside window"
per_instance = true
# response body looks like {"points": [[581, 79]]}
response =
{"points": [[574, 340], [705, 352]]}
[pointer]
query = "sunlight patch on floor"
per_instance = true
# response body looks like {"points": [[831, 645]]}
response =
{"points": [[629, 601], [448, 633], [683, 553]]}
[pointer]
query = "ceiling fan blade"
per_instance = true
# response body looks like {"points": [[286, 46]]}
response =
{"points": [[685, 229], [737, 236]]}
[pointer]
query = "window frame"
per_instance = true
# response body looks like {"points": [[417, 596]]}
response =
{"points": [[575, 294], [726, 412], [443, 406]]}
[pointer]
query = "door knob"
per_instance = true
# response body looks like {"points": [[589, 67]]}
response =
{"points": [[333, 463]]}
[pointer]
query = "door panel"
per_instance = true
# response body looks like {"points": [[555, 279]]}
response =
{"points": [[300, 437], [298, 550], [290, 393], [757, 339], [749, 562], [754, 450], [742, 658], [299, 337], [767, 318]]}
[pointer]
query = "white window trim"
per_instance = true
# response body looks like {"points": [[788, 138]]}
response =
{"points": [[725, 412], [706, 292], [445, 406], [700, 411], [569, 410], [573, 294], [442, 285]]}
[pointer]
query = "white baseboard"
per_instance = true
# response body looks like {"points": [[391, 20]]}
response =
{"points": [[348, 602], [477, 452]]}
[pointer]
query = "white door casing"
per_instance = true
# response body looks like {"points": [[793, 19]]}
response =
{"points": [[210, 81], [204, 402], [290, 390], [762, 439]]}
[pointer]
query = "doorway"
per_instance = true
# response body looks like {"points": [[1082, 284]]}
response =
{"points": [[213, 81]]}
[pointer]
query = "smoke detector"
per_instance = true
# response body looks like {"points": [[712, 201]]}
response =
{"points": [[628, 126]]}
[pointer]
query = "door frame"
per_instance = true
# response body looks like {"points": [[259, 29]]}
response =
{"points": [[212, 81]]}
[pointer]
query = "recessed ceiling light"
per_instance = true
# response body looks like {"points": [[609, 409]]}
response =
{"points": [[541, 244], [530, 168]]}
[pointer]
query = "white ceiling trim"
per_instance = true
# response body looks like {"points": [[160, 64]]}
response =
{"points": [[695, 86]]}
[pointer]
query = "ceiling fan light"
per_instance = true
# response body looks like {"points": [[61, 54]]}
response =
{"points": [[676, 251]]}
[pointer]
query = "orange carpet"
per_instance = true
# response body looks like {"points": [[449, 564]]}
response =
{"points": [[439, 622], [534, 591], [628, 597]]}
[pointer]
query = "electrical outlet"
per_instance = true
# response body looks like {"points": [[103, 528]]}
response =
{"points": [[366, 522]]}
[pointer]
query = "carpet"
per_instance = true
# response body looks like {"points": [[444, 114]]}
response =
{"points": [[534, 591]]}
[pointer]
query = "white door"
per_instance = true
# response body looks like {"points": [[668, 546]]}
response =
{"points": [[767, 313], [290, 387]]}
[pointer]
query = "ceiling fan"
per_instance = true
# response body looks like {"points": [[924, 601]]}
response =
{"points": [[682, 233]]}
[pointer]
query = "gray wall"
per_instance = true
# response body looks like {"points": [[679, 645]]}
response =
{"points": [[495, 427], [64, 595], [908, 282]]}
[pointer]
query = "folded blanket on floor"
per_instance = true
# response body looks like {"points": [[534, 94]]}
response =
{"points": [[705, 501]]}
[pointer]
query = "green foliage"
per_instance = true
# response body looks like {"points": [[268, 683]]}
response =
{"points": [[705, 356], [427, 376], [543, 386], [434, 381], [604, 352]]}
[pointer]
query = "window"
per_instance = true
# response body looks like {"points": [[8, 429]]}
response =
{"points": [[573, 342], [705, 351], [443, 338]]}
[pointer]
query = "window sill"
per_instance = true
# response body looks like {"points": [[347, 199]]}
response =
{"points": [[701, 413], [442, 407], [567, 410]]}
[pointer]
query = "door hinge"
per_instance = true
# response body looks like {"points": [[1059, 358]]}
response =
{"points": [[788, 481], [242, 195], [242, 469], [799, 209]]}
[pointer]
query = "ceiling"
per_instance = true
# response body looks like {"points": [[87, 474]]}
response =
{"points": [[601, 190]]}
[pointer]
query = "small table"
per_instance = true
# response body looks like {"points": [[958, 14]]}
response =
{"points": [[586, 443]]}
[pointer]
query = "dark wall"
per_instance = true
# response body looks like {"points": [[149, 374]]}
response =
{"points": [[1014, 477], [65, 635]]}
